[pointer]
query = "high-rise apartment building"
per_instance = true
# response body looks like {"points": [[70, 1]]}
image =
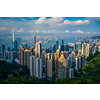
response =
{"points": [[49, 68], [38, 50], [32, 49], [39, 69], [85, 49], [78, 46], [27, 55], [22, 55], [80, 61], [32, 66]]}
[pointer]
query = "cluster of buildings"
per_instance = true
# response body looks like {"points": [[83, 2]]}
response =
{"points": [[58, 60]]}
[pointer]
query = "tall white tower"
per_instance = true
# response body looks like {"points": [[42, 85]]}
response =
{"points": [[13, 36], [38, 49], [34, 40]]}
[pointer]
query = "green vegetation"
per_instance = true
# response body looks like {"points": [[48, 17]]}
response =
{"points": [[17, 74], [91, 56]]}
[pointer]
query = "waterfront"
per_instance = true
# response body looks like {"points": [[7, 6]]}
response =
{"points": [[45, 45]]}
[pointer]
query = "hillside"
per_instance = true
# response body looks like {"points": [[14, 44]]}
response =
{"points": [[17, 74], [89, 74]]}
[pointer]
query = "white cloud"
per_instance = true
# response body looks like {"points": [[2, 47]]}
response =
{"points": [[52, 20], [3, 28], [46, 32], [60, 21], [13, 29], [77, 31], [34, 31], [20, 30], [79, 22], [53, 31], [37, 31], [31, 31], [67, 31]]}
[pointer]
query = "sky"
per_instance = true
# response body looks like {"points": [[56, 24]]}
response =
{"points": [[50, 25]]}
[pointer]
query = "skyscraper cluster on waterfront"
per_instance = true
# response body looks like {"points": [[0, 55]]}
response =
{"points": [[59, 61]]}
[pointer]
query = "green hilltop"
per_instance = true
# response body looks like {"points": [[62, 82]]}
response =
{"points": [[18, 74]]}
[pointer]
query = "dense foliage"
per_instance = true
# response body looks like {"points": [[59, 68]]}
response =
{"points": [[17, 74], [91, 56]]}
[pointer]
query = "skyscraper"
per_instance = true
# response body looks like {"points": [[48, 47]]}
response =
{"points": [[62, 47], [61, 67], [22, 55], [57, 44], [32, 66], [62, 41], [78, 46], [15, 46], [57, 56], [67, 47], [13, 36], [39, 69], [38, 50], [49, 68], [32, 51], [34, 40], [85, 49], [27, 55], [3, 48]]}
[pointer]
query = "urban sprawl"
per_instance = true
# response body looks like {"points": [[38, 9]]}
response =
{"points": [[59, 61]]}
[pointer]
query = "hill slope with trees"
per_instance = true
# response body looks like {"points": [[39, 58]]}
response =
{"points": [[18, 74]]}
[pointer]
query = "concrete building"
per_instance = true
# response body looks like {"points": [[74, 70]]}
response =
{"points": [[13, 36], [57, 44], [39, 69], [34, 40], [38, 50], [85, 49], [49, 68], [32, 66]]}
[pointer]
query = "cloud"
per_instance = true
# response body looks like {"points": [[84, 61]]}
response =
{"points": [[34, 31], [3, 28], [77, 31], [52, 20], [37, 31], [13, 29], [31, 31], [67, 31], [53, 31], [20, 30], [79, 22], [60, 21], [46, 32]]}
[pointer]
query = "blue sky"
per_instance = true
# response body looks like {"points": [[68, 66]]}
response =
{"points": [[50, 25]]}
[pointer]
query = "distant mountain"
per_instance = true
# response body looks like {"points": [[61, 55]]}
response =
{"points": [[95, 37]]}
